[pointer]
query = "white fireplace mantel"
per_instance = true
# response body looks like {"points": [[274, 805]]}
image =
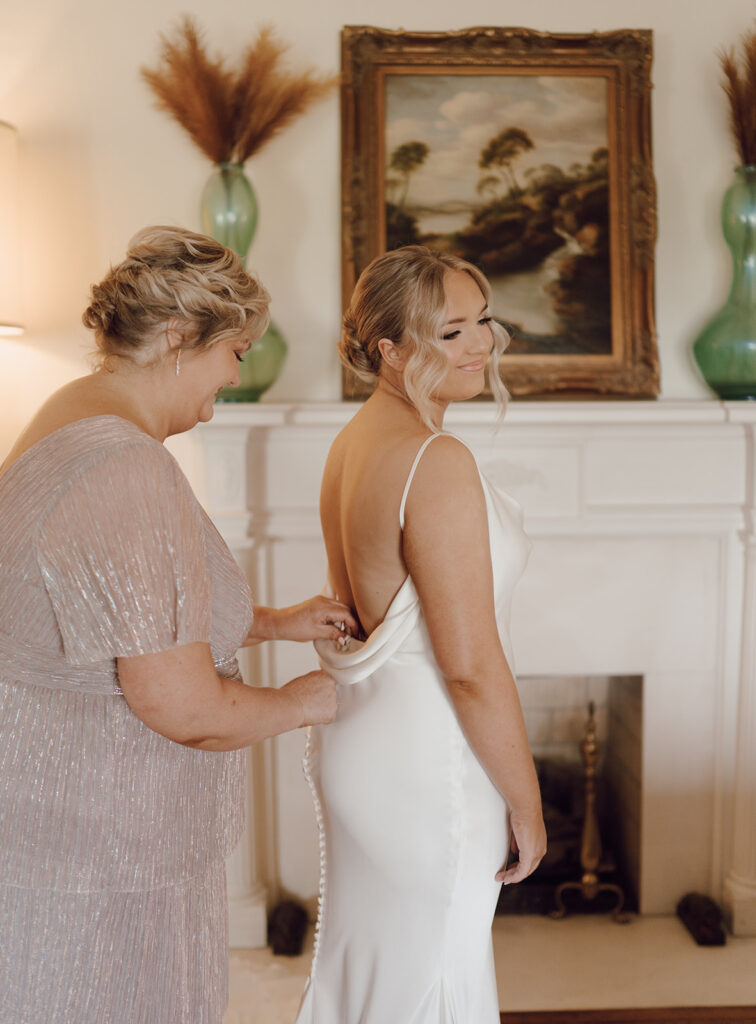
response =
{"points": [[643, 520]]}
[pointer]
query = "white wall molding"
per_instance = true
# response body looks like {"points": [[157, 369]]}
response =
{"points": [[740, 885]]}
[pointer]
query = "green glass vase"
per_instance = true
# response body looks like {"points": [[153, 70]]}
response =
{"points": [[725, 350], [259, 368], [229, 208], [229, 215]]}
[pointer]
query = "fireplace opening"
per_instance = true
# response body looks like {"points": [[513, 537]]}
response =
{"points": [[559, 724]]}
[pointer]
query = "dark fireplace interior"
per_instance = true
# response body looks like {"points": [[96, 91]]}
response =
{"points": [[557, 717]]}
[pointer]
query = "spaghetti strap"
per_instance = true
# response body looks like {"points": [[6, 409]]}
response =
{"points": [[414, 466]]}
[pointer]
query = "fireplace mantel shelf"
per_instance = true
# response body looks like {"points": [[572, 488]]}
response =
{"points": [[518, 413], [643, 520]]}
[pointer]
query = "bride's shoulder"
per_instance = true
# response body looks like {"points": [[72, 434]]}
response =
{"points": [[445, 472], [449, 454]]}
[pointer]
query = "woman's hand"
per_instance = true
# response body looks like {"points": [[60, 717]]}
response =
{"points": [[529, 842], [316, 696], [315, 619]]}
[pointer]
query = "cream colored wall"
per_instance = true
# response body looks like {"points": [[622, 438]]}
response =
{"points": [[98, 162]]}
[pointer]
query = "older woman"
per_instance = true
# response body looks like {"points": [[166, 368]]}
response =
{"points": [[122, 712], [426, 778]]}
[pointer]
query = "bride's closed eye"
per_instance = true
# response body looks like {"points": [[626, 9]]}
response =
{"points": [[238, 357], [455, 334]]}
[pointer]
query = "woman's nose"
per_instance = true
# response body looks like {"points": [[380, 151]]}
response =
{"points": [[483, 338]]}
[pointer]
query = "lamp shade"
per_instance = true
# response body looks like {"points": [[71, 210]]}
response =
{"points": [[9, 236]]}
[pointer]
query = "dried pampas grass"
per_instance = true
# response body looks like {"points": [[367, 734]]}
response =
{"points": [[231, 114], [740, 87]]}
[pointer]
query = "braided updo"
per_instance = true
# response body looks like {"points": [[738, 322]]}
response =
{"points": [[364, 359], [173, 276], [400, 296]]}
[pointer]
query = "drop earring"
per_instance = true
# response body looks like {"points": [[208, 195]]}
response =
{"points": [[178, 362]]}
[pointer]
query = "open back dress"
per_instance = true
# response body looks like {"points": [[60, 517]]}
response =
{"points": [[412, 830]]}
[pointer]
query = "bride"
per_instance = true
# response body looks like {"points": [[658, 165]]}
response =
{"points": [[425, 782]]}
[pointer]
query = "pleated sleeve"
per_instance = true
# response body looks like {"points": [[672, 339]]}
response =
{"points": [[122, 554]]}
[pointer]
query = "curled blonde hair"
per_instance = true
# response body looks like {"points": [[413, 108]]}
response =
{"points": [[171, 277], [400, 296]]}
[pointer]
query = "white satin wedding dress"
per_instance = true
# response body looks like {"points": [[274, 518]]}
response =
{"points": [[412, 831]]}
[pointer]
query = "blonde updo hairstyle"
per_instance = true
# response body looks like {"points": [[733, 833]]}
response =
{"points": [[173, 278], [400, 296]]}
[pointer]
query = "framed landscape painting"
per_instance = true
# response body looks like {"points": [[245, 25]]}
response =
{"points": [[529, 155]]}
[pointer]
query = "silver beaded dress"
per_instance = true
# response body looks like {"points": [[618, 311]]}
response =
{"points": [[112, 837]]}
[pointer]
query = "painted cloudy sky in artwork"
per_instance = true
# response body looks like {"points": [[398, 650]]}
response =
{"points": [[456, 115]]}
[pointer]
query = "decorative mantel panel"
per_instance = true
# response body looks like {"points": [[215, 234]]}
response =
{"points": [[643, 518]]}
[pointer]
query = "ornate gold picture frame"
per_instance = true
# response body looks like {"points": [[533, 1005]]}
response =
{"points": [[529, 154]]}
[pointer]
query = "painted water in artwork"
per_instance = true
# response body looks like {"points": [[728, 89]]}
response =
{"points": [[510, 172]]}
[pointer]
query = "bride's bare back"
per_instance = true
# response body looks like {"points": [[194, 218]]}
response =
{"points": [[363, 482]]}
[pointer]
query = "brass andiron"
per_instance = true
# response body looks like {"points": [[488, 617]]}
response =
{"points": [[590, 848]]}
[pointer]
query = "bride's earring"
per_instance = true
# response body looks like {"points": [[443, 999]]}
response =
{"points": [[178, 362]]}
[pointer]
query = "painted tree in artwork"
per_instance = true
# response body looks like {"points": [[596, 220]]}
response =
{"points": [[405, 160], [501, 152], [488, 183]]}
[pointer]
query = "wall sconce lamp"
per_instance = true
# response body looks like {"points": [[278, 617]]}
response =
{"points": [[9, 248]]}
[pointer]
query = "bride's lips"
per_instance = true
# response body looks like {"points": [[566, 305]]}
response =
{"points": [[472, 367]]}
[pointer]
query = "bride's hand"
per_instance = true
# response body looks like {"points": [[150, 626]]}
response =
{"points": [[529, 842], [318, 618]]}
